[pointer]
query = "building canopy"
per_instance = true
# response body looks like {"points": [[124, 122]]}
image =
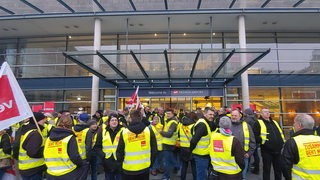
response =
{"points": [[169, 67]]}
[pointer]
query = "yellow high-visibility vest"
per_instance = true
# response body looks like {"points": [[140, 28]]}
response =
{"points": [[109, 147], [202, 147], [220, 154], [246, 135], [264, 133], [81, 141], [185, 135], [172, 140], [56, 157], [308, 166], [156, 130], [26, 162], [2, 154], [137, 150]]}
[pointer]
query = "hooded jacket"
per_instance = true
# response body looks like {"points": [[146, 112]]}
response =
{"points": [[58, 134]]}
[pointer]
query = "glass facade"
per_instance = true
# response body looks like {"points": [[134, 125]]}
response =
{"points": [[291, 54]]}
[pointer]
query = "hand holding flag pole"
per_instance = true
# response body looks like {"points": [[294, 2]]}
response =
{"points": [[134, 100]]}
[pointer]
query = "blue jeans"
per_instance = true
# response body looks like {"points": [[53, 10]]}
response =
{"points": [[94, 165], [169, 161], [2, 171], [202, 165], [245, 170], [158, 161]]}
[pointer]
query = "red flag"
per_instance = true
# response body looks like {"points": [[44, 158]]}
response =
{"points": [[13, 104], [133, 98]]}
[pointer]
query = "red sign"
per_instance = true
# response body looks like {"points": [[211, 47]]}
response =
{"points": [[36, 108], [48, 107], [218, 146], [8, 105]]}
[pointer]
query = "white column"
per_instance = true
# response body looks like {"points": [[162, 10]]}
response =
{"points": [[96, 65], [243, 59]]}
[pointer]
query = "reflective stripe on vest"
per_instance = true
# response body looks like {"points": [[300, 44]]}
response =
{"points": [[109, 147], [81, 141], [308, 166], [220, 154], [2, 154], [171, 140], [264, 133], [202, 147], [137, 150], [158, 136], [26, 162], [56, 157], [185, 135], [246, 135]]}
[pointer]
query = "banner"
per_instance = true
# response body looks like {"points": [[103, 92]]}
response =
{"points": [[13, 104]]}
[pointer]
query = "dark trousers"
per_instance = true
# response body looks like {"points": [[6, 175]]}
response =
{"points": [[274, 159], [143, 176], [184, 168], [256, 162]]}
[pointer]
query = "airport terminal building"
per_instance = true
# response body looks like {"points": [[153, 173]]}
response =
{"points": [[184, 54]]}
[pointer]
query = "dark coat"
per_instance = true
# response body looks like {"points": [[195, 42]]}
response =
{"points": [[185, 153]]}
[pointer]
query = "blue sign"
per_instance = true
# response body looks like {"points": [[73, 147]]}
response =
{"points": [[172, 92]]}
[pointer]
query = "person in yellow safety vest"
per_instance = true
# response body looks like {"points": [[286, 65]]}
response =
{"points": [[106, 145], [81, 131], [30, 161], [187, 123], [137, 148], [199, 144], [156, 128], [5, 152], [92, 155], [162, 115], [226, 152], [170, 137], [271, 139], [61, 153], [301, 153], [243, 132]]}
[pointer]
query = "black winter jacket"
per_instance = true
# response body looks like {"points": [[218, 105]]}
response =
{"points": [[274, 143]]}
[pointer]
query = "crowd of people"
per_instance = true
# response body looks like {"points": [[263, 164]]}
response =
{"points": [[138, 143]]}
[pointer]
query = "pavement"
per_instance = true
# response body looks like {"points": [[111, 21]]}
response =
{"points": [[250, 176]]}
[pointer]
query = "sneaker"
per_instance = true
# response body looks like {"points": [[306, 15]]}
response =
{"points": [[164, 178]]}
